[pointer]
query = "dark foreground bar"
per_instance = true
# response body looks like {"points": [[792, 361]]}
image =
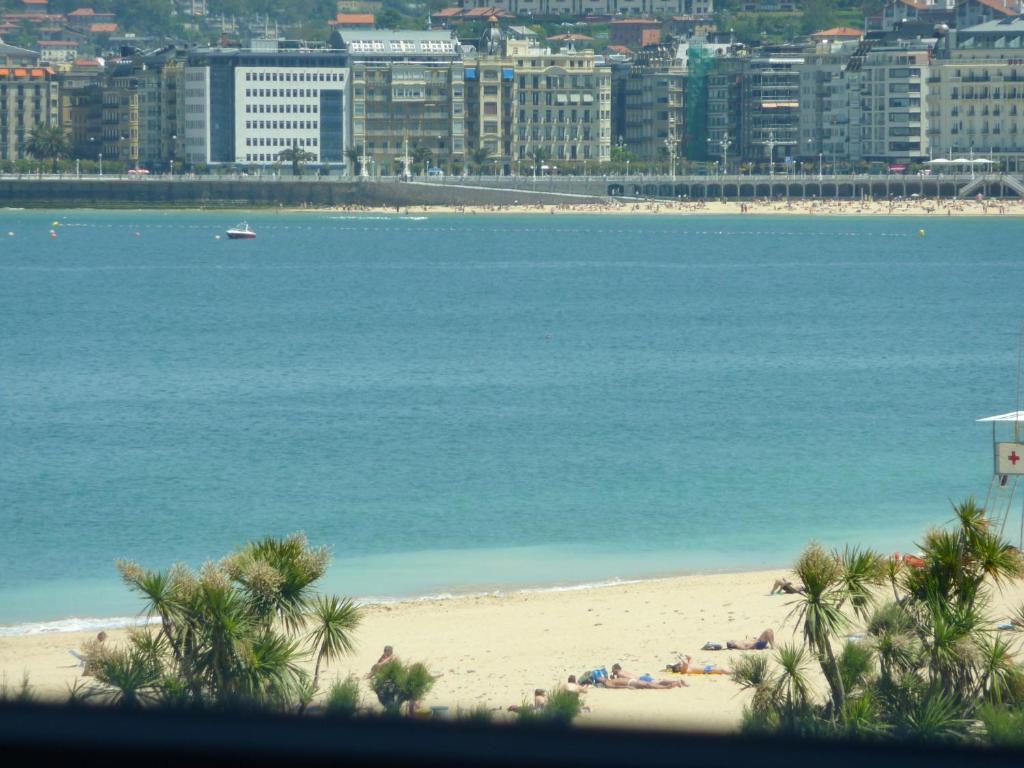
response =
{"points": [[85, 736]]}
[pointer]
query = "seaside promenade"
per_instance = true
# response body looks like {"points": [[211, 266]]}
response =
{"points": [[240, 191]]}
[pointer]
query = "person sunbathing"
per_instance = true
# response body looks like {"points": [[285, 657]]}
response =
{"points": [[765, 640], [641, 684], [620, 674], [687, 666], [786, 586]]}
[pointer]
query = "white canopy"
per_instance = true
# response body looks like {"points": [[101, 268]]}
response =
{"points": [[939, 161], [1011, 416]]}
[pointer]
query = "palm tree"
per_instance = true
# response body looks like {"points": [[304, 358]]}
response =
{"points": [[818, 610], [355, 156], [48, 142], [479, 158], [296, 156], [334, 621], [929, 666], [232, 634]]}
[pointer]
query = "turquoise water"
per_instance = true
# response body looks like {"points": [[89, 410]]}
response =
{"points": [[469, 403]]}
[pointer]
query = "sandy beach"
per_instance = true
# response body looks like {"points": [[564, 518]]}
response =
{"points": [[495, 650], [916, 207]]}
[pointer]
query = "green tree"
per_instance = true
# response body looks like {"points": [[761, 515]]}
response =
{"points": [[421, 157], [355, 157], [479, 158], [48, 142], [296, 156], [231, 634], [929, 665], [398, 684]]}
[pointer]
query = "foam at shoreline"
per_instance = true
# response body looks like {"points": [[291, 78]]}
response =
{"points": [[88, 624], [75, 624]]}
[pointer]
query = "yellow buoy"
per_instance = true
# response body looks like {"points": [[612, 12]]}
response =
{"points": [[920, 233], [55, 224]]}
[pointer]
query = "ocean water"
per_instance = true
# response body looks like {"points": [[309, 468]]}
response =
{"points": [[466, 403]]}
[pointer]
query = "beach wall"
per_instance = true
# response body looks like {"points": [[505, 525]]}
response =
{"points": [[98, 192]]}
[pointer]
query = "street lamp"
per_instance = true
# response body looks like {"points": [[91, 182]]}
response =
{"points": [[771, 143], [671, 146], [723, 144]]}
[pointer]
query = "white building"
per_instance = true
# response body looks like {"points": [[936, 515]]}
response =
{"points": [[248, 106]]}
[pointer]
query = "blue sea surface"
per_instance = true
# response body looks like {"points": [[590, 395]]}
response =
{"points": [[460, 403]]}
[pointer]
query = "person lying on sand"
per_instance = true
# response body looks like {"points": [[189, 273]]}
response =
{"points": [[540, 700], [641, 684], [765, 640], [687, 666], [784, 585], [619, 673]]}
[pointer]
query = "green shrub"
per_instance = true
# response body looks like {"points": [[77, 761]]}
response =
{"points": [[342, 699], [396, 684]]}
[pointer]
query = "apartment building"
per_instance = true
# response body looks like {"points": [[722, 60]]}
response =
{"points": [[408, 100], [659, 8], [975, 98], [770, 109], [525, 102], [654, 104], [825, 119], [886, 102], [724, 85], [249, 105], [29, 97]]}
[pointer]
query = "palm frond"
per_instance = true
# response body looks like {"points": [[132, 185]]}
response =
{"points": [[861, 571]]}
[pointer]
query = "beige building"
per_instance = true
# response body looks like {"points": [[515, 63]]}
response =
{"points": [[975, 100], [121, 117], [29, 97], [530, 105], [407, 99]]}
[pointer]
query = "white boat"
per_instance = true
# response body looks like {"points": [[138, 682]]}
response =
{"points": [[241, 232]]}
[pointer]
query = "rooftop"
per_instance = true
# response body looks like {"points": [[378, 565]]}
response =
{"points": [[399, 42], [834, 32]]}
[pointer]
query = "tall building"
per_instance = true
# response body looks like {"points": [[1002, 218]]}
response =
{"points": [[527, 102], [407, 99], [654, 107], [886, 109], [770, 108], [825, 91], [121, 116], [249, 105], [29, 97], [724, 88], [975, 98]]}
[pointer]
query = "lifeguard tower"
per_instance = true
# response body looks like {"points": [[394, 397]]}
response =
{"points": [[1008, 467]]}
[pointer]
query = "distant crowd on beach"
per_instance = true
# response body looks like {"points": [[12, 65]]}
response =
{"points": [[905, 206]]}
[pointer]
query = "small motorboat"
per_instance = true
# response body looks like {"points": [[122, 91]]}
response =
{"points": [[241, 232]]}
